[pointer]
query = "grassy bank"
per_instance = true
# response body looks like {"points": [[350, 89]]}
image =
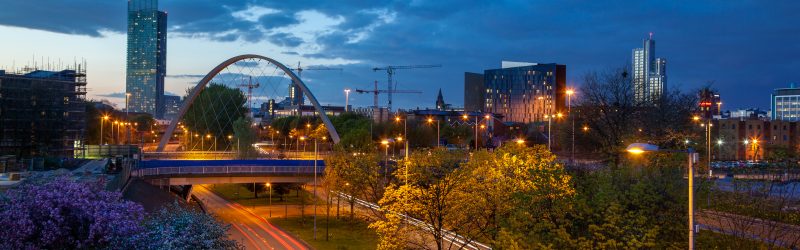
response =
{"points": [[342, 233]]}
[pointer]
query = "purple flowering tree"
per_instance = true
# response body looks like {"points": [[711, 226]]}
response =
{"points": [[62, 213]]}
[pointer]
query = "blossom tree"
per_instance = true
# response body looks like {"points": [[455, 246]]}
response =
{"points": [[63, 213]]}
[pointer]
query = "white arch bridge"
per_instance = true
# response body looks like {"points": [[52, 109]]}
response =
{"points": [[244, 77]]}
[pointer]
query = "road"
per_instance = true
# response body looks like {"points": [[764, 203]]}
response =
{"points": [[252, 231]]}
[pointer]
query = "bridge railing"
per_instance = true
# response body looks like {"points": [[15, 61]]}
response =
{"points": [[229, 170]]}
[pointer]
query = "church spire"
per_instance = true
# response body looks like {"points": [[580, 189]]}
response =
{"points": [[440, 105]]}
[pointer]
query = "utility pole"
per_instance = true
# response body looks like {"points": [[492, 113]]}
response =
{"points": [[390, 73]]}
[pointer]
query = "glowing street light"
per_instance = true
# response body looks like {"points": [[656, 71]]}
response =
{"points": [[438, 137], [640, 148]]}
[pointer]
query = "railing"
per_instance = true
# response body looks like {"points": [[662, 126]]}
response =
{"points": [[229, 170]]}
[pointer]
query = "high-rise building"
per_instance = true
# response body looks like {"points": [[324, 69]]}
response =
{"points": [[649, 73], [474, 92], [147, 57], [786, 103], [43, 113], [172, 105], [526, 93], [296, 95]]}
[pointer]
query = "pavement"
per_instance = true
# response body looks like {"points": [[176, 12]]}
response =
{"points": [[253, 231]]}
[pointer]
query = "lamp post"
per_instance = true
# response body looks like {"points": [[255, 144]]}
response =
{"points": [[405, 133], [466, 117], [269, 185], [707, 125], [346, 100], [386, 161], [102, 122], [639, 148], [571, 92], [438, 138], [115, 137], [315, 188], [549, 134]]}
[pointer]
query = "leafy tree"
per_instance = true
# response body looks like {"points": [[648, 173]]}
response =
{"points": [[244, 136], [175, 227], [61, 213], [214, 111]]}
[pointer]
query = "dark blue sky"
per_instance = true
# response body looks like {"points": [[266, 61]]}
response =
{"points": [[747, 48]]}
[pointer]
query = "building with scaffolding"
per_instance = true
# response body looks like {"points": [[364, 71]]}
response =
{"points": [[43, 113]]}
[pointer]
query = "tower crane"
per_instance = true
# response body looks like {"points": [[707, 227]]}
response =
{"points": [[390, 72], [299, 71], [377, 91], [250, 86]]}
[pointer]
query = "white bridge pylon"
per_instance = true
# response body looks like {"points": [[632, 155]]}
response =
{"points": [[213, 73]]}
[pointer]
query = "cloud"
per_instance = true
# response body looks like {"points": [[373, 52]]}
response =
{"points": [[113, 95], [733, 43], [186, 76]]}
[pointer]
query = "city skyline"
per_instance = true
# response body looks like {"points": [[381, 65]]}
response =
{"points": [[704, 45]]}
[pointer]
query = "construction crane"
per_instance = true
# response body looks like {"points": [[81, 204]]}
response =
{"points": [[390, 72], [299, 71], [377, 91], [250, 86]]}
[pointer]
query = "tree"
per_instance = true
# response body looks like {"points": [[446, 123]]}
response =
{"points": [[175, 227], [244, 136], [62, 213], [214, 111], [359, 174]]}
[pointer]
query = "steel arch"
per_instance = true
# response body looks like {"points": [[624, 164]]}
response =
{"points": [[213, 73]]}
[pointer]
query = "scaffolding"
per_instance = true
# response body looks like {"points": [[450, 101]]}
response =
{"points": [[43, 112]]}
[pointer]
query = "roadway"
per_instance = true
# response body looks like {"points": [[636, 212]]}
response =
{"points": [[253, 231]]}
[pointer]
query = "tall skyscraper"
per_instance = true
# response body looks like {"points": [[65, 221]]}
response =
{"points": [[649, 73], [147, 57]]}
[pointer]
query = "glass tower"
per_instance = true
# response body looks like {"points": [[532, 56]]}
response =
{"points": [[147, 57], [649, 73], [525, 94]]}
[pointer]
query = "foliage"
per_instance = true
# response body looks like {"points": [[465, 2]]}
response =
{"points": [[65, 214], [502, 196], [358, 174], [608, 109], [213, 111], [174, 227], [244, 136], [62, 213]]}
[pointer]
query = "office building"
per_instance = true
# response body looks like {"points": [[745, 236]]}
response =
{"points": [[295, 95], [43, 113], [172, 105], [649, 73], [147, 57], [474, 92], [786, 103], [525, 92]]}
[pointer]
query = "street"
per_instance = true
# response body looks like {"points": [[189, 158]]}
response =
{"points": [[252, 231]]}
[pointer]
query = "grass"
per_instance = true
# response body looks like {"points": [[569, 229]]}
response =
{"points": [[246, 198], [712, 240], [342, 234]]}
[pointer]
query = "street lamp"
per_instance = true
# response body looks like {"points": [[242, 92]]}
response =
{"points": [[269, 185], [571, 92], [102, 121], [438, 138], [520, 141], [405, 132], [476, 129], [549, 134], [640, 148]]}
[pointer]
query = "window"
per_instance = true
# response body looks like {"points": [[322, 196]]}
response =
{"points": [[750, 126]]}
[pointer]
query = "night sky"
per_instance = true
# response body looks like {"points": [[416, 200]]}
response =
{"points": [[746, 48]]}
